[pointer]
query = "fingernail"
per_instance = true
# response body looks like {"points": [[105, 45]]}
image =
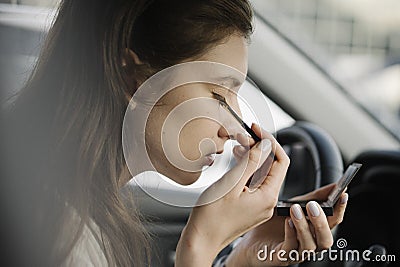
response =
{"points": [[265, 145], [242, 150], [240, 135], [297, 212], [313, 207], [344, 199], [291, 223]]}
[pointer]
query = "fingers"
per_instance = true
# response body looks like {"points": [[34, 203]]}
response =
{"points": [[245, 140], [290, 236], [322, 194], [245, 167], [319, 194], [249, 160], [339, 210], [304, 235], [314, 233], [320, 225], [239, 152], [280, 164]]}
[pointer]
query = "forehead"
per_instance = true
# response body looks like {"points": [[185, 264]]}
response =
{"points": [[232, 52]]}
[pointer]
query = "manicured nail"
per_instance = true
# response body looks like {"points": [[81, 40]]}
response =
{"points": [[344, 199], [297, 212], [242, 150], [291, 223], [313, 207], [240, 136], [265, 145], [243, 139]]}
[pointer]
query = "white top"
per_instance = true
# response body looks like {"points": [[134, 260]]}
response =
{"points": [[87, 251]]}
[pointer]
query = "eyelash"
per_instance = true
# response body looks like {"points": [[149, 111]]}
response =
{"points": [[214, 91]]}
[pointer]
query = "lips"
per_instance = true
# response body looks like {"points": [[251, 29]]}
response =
{"points": [[210, 158]]}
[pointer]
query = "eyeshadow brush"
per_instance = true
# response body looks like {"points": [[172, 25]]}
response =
{"points": [[222, 101]]}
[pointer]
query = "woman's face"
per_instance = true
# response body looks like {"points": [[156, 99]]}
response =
{"points": [[202, 137]]}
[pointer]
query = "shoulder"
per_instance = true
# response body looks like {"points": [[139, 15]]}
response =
{"points": [[87, 250]]}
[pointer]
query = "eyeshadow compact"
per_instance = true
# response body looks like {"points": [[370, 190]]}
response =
{"points": [[283, 206]]}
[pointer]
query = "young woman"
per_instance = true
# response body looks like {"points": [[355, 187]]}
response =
{"points": [[65, 135]]}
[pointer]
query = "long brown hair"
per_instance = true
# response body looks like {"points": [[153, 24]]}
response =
{"points": [[65, 125]]}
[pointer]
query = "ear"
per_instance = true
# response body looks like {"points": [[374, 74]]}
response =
{"points": [[130, 63], [130, 55]]}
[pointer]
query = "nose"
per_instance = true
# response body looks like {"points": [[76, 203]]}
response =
{"points": [[230, 121], [223, 133]]}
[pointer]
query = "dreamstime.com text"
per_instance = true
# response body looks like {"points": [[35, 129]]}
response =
{"points": [[339, 254]]}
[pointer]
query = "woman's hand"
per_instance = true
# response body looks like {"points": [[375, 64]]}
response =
{"points": [[213, 226], [290, 234]]}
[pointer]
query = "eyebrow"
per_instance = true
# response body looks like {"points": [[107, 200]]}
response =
{"points": [[235, 82]]}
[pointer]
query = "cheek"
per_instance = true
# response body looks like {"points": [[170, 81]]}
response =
{"points": [[153, 136]]}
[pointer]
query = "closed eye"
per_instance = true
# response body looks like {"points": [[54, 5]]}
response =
{"points": [[218, 97]]}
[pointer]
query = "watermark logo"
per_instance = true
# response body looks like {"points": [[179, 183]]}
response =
{"points": [[339, 254], [341, 243]]}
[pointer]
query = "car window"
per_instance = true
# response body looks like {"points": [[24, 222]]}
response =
{"points": [[43, 3], [357, 43], [281, 119]]}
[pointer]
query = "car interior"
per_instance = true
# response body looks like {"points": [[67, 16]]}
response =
{"points": [[321, 127]]}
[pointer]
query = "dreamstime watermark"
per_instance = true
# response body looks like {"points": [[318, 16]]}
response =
{"points": [[340, 254]]}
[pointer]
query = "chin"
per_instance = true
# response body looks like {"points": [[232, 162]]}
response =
{"points": [[186, 178]]}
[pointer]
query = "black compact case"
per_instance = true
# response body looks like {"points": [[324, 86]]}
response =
{"points": [[283, 206]]}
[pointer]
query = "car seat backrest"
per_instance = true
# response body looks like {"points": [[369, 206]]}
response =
{"points": [[371, 217]]}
